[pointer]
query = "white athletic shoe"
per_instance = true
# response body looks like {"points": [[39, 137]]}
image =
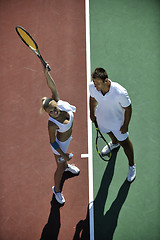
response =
{"points": [[73, 169], [131, 173], [58, 196], [106, 149]]}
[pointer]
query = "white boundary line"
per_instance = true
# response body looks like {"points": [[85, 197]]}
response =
{"points": [[84, 155], [90, 159]]}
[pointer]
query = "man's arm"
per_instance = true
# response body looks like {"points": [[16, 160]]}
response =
{"points": [[51, 84], [92, 105], [127, 118]]}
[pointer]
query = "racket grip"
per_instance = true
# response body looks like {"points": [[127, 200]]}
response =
{"points": [[49, 69], [44, 63], [96, 124]]}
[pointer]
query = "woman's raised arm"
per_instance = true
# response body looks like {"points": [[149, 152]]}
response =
{"points": [[51, 84]]}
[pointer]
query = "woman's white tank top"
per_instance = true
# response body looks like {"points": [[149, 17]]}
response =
{"points": [[64, 106]]}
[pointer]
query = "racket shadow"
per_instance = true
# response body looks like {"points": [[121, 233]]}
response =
{"points": [[52, 227], [105, 224]]}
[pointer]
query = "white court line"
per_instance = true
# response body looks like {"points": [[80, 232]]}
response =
{"points": [[85, 155], [90, 159]]}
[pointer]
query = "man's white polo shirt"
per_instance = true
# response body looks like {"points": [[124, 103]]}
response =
{"points": [[110, 111]]}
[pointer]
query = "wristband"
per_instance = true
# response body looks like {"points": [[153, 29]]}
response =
{"points": [[55, 145]]}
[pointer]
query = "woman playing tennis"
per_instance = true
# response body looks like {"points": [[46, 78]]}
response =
{"points": [[60, 125]]}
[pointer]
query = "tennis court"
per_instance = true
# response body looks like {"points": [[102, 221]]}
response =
{"points": [[124, 39]]}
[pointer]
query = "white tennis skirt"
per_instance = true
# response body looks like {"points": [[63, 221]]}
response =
{"points": [[63, 145]]}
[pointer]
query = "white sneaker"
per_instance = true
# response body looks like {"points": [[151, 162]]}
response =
{"points": [[73, 169], [106, 149], [58, 196], [131, 173]]}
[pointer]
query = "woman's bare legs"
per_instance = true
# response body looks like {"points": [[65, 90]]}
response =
{"points": [[58, 173]]}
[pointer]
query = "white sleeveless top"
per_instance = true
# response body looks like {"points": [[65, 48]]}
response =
{"points": [[64, 106]]}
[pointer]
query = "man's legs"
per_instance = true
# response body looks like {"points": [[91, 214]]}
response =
{"points": [[128, 149], [112, 145], [127, 146], [113, 138]]}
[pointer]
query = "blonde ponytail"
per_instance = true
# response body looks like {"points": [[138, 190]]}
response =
{"points": [[42, 110]]}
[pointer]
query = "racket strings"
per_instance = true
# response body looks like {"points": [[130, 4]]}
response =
{"points": [[30, 42], [100, 145]]}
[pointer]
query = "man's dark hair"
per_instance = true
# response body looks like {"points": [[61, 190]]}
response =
{"points": [[100, 73]]}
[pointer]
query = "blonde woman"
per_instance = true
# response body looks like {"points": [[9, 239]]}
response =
{"points": [[60, 125]]}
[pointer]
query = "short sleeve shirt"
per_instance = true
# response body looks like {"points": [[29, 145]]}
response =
{"points": [[110, 108]]}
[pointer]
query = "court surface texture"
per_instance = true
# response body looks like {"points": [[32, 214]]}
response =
{"points": [[75, 37]]}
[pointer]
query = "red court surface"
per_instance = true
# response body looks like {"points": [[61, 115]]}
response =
{"points": [[27, 162]]}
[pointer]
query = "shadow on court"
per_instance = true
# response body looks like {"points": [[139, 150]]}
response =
{"points": [[52, 228], [105, 224], [82, 229]]}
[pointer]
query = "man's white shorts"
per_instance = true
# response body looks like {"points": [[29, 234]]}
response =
{"points": [[121, 137]]}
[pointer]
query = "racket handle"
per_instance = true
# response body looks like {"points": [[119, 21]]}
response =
{"points": [[96, 124], [44, 63], [49, 69]]}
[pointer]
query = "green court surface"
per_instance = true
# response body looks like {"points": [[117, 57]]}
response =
{"points": [[125, 40]]}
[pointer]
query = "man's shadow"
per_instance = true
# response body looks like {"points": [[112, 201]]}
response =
{"points": [[52, 227], [104, 224]]}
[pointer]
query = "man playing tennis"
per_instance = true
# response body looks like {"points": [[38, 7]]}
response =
{"points": [[111, 107]]}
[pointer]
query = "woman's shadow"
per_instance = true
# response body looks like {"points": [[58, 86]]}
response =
{"points": [[104, 224], [52, 227]]}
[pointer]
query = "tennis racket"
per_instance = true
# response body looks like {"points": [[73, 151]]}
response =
{"points": [[30, 42], [101, 142]]}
